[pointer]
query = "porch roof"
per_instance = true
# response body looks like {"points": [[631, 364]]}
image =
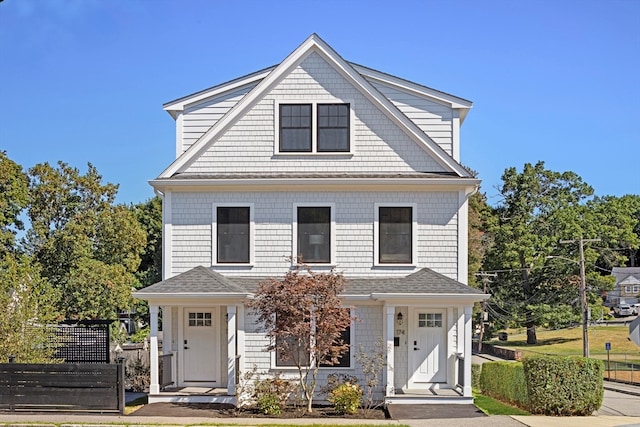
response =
{"points": [[203, 281]]}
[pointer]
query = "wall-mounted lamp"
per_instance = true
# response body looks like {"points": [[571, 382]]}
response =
{"points": [[399, 317]]}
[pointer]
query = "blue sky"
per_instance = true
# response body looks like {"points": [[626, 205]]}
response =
{"points": [[84, 80]]}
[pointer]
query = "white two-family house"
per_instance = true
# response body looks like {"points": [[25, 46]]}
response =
{"points": [[339, 165]]}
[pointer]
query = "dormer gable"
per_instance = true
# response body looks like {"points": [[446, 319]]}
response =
{"points": [[265, 81]]}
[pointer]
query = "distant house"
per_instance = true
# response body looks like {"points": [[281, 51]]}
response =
{"points": [[627, 288], [338, 164]]}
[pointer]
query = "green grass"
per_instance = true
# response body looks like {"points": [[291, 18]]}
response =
{"points": [[568, 342], [492, 406]]}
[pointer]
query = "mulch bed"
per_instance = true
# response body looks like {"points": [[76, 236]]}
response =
{"points": [[221, 410]]}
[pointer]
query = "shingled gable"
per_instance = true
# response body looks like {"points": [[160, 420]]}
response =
{"points": [[314, 44]]}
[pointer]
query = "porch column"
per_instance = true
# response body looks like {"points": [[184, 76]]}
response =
{"points": [[231, 350], [468, 313], [154, 387], [389, 330]]}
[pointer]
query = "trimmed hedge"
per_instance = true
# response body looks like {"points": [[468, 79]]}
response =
{"points": [[560, 385], [505, 381], [475, 375]]}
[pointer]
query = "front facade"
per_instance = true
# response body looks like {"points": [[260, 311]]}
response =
{"points": [[627, 287], [336, 165]]}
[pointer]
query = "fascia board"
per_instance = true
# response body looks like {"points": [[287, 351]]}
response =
{"points": [[181, 104], [419, 298], [175, 298], [414, 88], [339, 184], [314, 42]]}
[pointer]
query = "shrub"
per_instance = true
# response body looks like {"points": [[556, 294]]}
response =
{"points": [[346, 398], [560, 385], [475, 375], [269, 404], [505, 381], [137, 375], [270, 392]]}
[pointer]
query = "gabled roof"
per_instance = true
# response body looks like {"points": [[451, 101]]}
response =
{"points": [[198, 280], [626, 275], [273, 76]]}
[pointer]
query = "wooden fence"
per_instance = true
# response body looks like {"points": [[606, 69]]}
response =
{"points": [[94, 387]]}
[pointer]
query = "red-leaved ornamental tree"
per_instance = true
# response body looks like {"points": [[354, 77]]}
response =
{"points": [[304, 318]]}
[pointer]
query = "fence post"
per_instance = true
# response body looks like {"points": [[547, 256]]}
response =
{"points": [[120, 385]]}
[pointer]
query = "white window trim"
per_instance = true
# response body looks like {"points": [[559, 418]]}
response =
{"points": [[214, 235], [294, 232], [376, 234], [314, 128], [352, 337]]}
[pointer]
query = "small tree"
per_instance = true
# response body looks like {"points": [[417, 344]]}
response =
{"points": [[304, 319]]}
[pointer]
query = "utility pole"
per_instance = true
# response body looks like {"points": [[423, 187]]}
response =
{"points": [[486, 278], [583, 294]]}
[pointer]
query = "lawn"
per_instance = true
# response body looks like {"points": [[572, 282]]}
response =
{"points": [[568, 342]]}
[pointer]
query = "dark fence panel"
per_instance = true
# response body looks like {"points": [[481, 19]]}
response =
{"points": [[67, 386], [83, 341]]}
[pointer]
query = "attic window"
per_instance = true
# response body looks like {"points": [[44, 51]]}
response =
{"points": [[314, 128]]}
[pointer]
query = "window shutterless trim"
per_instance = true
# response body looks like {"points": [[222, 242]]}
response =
{"points": [[315, 150], [214, 234], [332, 232], [376, 234]]}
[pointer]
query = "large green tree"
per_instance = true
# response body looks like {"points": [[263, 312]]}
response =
{"points": [[87, 246], [14, 190], [28, 311], [539, 207]]}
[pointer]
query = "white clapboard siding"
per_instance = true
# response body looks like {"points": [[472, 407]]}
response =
{"points": [[435, 119], [437, 216], [379, 145], [198, 118]]}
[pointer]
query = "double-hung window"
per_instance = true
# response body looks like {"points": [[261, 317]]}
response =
{"points": [[314, 128], [233, 226], [314, 236], [396, 234]]}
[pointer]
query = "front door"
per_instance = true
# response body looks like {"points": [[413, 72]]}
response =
{"points": [[200, 360], [427, 347]]}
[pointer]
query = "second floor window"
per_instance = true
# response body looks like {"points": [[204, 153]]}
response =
{"points": [[314, 234], [308, 128], [232, 234], [395, 235]]}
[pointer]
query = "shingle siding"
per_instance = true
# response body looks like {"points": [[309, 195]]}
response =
{"points": [[191, 239], [378, 145]]}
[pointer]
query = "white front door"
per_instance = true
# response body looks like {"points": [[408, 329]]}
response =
{"points": [[427, 347], [199, 349]]}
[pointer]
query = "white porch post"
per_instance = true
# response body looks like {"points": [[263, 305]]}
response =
{"points": [[389, 330], [154, 387], [231, 350], [468, 312]]}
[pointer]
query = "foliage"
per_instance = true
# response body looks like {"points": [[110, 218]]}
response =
{"points": [[303, 317], [505, 381], [346, 398], [372, 363], [28, 310], [539, 208], [14, 186], [88, 247], [137, 374], [475, 375], [140, 335], [271, 394], [571, 386], [268, 404]]}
